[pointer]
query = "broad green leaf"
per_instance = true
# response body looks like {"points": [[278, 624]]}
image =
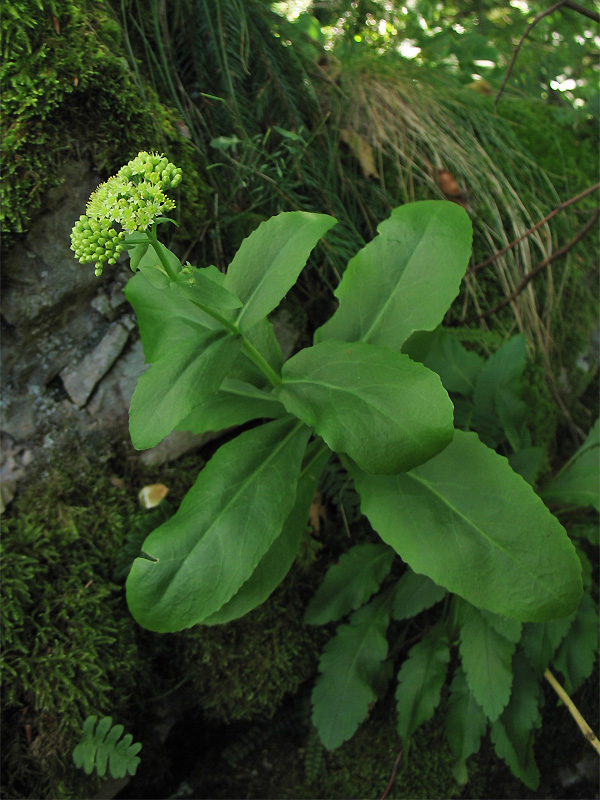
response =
{"points": [[501, 371], [405, 279], [474, 526], [269, 261], [466, 724], [163, 317], [457, 367], [540, 640], [579, 482], [579, 649], [201, 287], [385, 411], [486, 659], [276, 562], [513, 733], [234, 403], [349, 583], [226, 523], [420, 681], [166, 393], [414, 593], [350, 670]]}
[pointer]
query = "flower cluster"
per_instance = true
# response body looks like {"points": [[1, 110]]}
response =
{"points": [[134, 198]]}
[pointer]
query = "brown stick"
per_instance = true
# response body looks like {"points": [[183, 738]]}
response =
{"points": [[583, 10], [574, 711], [530, 275], [393, 776], [559, 207]]}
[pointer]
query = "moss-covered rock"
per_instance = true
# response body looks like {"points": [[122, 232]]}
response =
{"points": [[67, 87]]}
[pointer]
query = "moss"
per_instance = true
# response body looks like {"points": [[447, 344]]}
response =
{"points": [[360, 768], [68, 646], [244, 670]]}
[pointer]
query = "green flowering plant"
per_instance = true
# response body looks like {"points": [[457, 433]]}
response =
{"points": [[448, 505], [135, 199]]}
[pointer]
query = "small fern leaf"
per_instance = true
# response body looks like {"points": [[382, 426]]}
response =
{"points": [[102, 746]]}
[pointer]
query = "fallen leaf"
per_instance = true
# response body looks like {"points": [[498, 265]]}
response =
{"points": [[151, 495], [447, 183], [362, 150]]}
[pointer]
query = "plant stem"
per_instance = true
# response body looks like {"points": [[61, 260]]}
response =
{"points": [[583, 726], [252, 353], [247, 348], [161, 256]]}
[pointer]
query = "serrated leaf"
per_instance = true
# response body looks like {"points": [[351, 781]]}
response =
{"points": [[514, 732], [420, 681], [486, 659], [457, 367], [350, 394], [414, 593], [190, 372], [269, 261], [350, 670], [405, 279], [579, 649], [349, 583], [462, 519], [579, 482], [276, 562], [466, 723], [540, 640], [224, 526], [234, 403], [510, 629]]}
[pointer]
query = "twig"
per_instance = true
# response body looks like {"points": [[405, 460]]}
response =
{"points": [[530, 275], [583, 10], [559, 207], [583, 726], [520, 42], [393, 776], [562, 3]]}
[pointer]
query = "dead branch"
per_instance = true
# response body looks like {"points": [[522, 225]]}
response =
{"points": [[559, 207], [542, 265]]}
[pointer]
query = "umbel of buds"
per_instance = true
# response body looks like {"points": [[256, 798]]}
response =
{"points": [[133, 199]]}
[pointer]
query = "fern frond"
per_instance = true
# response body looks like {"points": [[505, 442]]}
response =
{"points": [[102, 745]]}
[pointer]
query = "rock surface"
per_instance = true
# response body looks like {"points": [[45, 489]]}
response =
{"points": [[71, 354]]}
